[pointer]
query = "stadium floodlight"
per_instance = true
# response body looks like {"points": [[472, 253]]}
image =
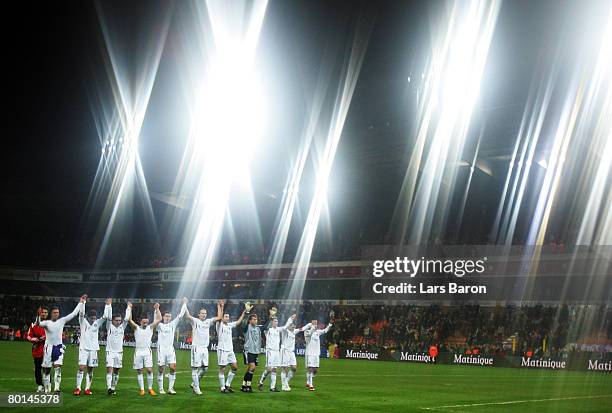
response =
{"points": [[291, 190], [561, 140], [529, 132], [596, 220], [581, 126], [343, 97], [227, 125], [229, 120], [119, 119], [448, 94]]}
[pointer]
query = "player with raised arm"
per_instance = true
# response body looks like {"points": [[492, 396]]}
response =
{"points": [[143, 358], [252, 347], [313, 349], [53, 355], [199, 346], [273, 337], [89, 346], [288, 362], [115, 331], [166, 356], [225, 349]]}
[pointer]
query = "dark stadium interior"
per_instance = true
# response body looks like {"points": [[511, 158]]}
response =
{"points": [[118, 182], [51, 167]]}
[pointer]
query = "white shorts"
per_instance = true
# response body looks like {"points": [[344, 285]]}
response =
{"points": [[199, 356], [287, 358], [272, 358], [88, 358], [312, 361], [225, 357], [143, 358], [166, 356], [47, 357], [114, 359]]}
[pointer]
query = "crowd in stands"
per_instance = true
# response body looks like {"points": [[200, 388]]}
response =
{"points": [[502, 330], [489, 330]]}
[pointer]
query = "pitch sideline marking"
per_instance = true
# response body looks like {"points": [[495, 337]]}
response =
{"points": [[333, 374], [457, 406]]}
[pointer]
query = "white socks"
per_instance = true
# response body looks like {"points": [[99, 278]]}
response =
{"points": [[171, 380], [57, 379], [197, 374], [273, 380], [79, 379], [286, 376], [263, 376], [230, 377], [141, 380], [115, 380], [109, 380], [88, 379], [47, 382], [309, 378], [195, 378], [222, 380], [150, 380]]}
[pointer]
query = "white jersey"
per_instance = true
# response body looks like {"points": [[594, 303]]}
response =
{"points": [[224, 334], [313, 341], [201, 331], [165, 331], [89, 331], [273, 336], [114, 335], [54, 329], [288, 336], [143, 337]]}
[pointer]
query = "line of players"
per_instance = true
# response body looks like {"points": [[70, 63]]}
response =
{"points": [[280, 347]]}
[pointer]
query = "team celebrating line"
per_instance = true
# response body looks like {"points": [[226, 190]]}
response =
{"points": [[279, 347]]}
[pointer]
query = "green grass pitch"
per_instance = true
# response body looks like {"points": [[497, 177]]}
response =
{"points": [[341, 385]]}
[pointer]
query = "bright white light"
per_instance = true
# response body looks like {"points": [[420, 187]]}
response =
{"points": [[542, 162], [120, 178], [230, 118], [596, 222], [226, 126], [344, 95], [446, 101]]}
